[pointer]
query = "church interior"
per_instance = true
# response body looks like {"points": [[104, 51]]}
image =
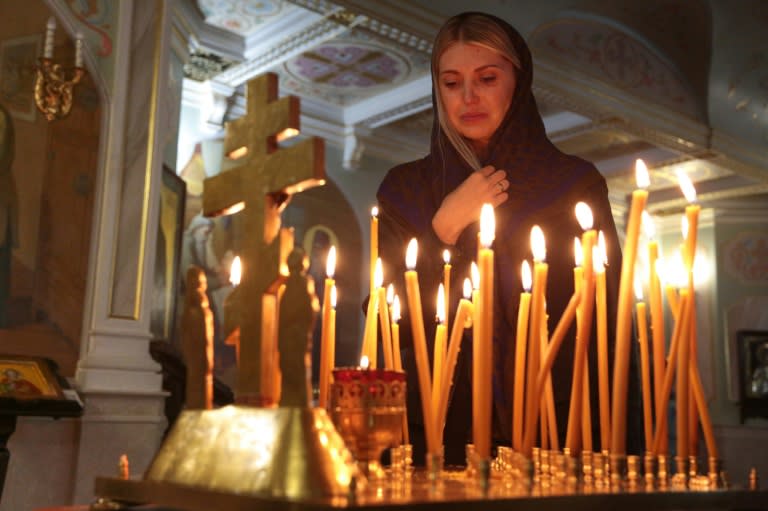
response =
{"points": [[100, 208]]}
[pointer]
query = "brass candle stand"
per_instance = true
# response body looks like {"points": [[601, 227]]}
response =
{"points": [[54, 86]]}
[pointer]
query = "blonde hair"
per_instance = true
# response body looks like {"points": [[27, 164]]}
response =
{"points": [[468, 28]]}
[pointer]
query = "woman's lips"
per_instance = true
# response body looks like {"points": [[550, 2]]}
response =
{"points": [[473, 116]]}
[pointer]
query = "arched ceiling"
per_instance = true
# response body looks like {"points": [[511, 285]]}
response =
{"points": [[681, 83]]}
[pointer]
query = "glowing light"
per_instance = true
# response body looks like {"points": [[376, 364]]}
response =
{"points": [[396, 309], [526, 277], [378, 274], [467, 288], [641, 174], [390, 294], [638, 289], [441, 303], [286, 134], [475, 273], [602, 246], [597, 260], [686, 186], [333, 296], [446, 256], [578, 252], [649, 227], [411, 253], [538, 244], [487, 225], [236, 271], [330, 262], [584, 215], [374, 211], [364, 362]]}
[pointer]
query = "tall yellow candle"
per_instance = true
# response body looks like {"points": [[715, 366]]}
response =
{"points": [[548, 399], [574, 434], [326, 362], [483, 347], [398, 361], [678, 336], [374, 255], [532, 398], [463, 313], [447, 284], [624, 314], [386, 330], [438, 357], [599, 258], [645, 369], [420, 346], [518, 394], [371, 334]]}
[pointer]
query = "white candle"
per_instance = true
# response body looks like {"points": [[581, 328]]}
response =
{"points": [[50, 28], [79, 49]]}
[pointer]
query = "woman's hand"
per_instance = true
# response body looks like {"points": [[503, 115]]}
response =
{"points": [[462, 206]]}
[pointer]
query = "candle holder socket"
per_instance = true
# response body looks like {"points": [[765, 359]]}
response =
{"points": [[680, 479]]}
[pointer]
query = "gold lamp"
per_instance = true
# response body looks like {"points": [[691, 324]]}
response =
{"points": [[54, 83]]}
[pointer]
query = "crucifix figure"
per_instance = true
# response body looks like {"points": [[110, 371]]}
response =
{"points": [[260, 186]]}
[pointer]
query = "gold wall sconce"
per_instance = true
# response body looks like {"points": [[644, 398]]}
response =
{"points": [[54, 83]]}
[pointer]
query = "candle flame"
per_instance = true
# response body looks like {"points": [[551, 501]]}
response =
{"points": [[527, 278], [378, 274], [487, 225], [649, 228], [410, 254], [330, 262], [364, 362], [638, 289], [467, 288], [333, 296], [603, 248], [584, 215], [578, 252], [684, 227], [641, 174], [390, 294], [597, 260], [686, 186], [475, 273], [676, 271], [538, 244], [375, 211], [446, 256], [396, 309], [236, 271], [661, 269], [441, 304]]}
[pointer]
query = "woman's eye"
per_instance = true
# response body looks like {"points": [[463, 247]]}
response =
{"points": [[488, 79], [449, 84]]}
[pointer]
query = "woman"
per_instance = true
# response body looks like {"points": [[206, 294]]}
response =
{"points": [[489, 145]]}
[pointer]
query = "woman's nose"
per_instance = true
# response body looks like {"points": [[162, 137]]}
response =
{"points": [[469, 92]]}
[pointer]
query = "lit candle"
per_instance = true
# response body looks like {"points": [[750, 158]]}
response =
{"points": [[624, 313], [532, 399], [678, 336], [657, 314], [584, 318], [687, 347], [599, 259], [463, 313], [447, 283], [370, 333], [79, 49], [326, 362], [374, 245], [438, 356], [518, 398], [50, 29], [482, 345], [645, 369], [420, 346], [396, 352], [386, 331]]}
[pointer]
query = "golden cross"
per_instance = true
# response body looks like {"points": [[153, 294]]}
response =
{"points": [[258, 185]]}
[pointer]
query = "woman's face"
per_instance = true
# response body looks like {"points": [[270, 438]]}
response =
{"points": [[476, 85]]}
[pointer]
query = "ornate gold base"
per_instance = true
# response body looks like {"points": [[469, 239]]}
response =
{"points": [[293, 453]]}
